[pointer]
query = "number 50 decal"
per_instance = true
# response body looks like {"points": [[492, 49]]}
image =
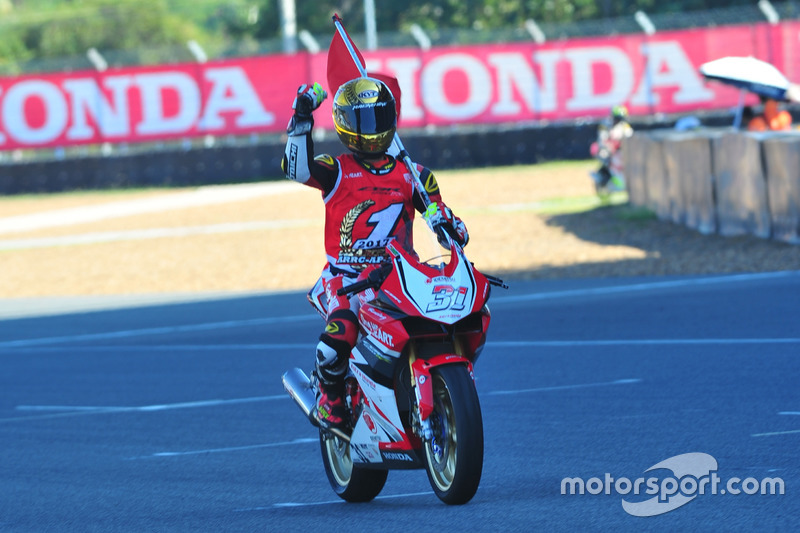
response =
{"points": [[447, 297]]}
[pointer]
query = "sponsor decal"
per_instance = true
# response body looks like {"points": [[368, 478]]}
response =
{"points": [[376, 331], [362, 377], [366, 452], [382, 190], [376, 313], [370, 423], [292, 171], [370, 105], [372, 257], [369, 93], [394, 456], [392, 296]]}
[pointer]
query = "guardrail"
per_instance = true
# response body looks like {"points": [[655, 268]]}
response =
{"points": [[718, 180], [222, 164]]}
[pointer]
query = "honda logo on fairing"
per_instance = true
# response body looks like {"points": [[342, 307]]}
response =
{"points": [[396, 456]]}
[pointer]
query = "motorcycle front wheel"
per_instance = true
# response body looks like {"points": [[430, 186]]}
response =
{"points": [[454, 456], [348, 482]]}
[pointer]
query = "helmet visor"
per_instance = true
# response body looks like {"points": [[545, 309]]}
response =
{"points": [[367, 119]]}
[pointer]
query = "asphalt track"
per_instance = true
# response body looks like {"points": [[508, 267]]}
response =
{"points": [[169, 415]]}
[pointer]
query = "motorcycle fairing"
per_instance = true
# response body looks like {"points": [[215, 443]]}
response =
{"points": [[422, 378], [445, 295], [378, 392]]}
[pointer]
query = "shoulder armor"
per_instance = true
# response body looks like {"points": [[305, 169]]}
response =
{"points": [[326, 160], [429, 180]]}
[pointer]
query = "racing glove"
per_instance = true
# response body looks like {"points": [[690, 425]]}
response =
{"points": [[309, 98], [440, 217]]}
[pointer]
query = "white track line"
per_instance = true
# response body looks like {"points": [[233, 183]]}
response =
{"points": [[229, 449], [124, 334], [155, 233], [328, 502], [641, 287], [776, 433], [67, 411], [641, 342], [202, 196], [35, 345], [566, 387]]}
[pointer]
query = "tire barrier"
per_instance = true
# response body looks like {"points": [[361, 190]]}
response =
{"points": [[782, 161], [741, 186], [718, 180], [257, 162]]}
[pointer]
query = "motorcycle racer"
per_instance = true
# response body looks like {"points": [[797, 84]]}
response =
{"points": [[610, 134], [369, 198]]}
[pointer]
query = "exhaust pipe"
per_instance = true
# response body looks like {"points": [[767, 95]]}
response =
{"points": [[299, 388]]}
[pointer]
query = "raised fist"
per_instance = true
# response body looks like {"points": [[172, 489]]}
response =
{"points": [[309, 97]]}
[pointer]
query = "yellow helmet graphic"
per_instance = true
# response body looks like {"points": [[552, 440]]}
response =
{"points": [[365, 115]]}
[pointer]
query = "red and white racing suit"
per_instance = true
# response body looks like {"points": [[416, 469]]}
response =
{"points": [[367, 204]]}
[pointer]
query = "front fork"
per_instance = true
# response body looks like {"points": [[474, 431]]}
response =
{"points": [[423, 387]]}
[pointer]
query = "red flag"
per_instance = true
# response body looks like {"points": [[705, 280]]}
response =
{"points": [[342, 67]]}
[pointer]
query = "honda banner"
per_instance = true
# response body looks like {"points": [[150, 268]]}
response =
{"points": [[444, 86]]}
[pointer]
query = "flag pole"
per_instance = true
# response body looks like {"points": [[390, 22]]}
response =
{"points": [[404, 156]]}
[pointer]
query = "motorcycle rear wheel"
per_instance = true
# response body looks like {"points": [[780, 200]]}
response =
{"points": [[350, 483], [454, 457]]}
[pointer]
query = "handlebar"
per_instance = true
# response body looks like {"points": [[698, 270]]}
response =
{"points": [[497, 282], [374, 279]]}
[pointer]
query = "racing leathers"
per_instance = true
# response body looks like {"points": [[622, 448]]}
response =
{"points": [[370, 200]]}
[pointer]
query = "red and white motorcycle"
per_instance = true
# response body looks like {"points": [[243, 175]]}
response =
{"points": [[410, 390]]}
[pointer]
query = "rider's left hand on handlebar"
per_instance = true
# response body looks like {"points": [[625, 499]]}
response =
{"points": [[440, 216]]}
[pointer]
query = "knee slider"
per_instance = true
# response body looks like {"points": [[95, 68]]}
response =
{"points": [[335, 343], [342, 326]]}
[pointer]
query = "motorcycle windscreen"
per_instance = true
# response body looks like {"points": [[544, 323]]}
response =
{"points": [[439, 283]]}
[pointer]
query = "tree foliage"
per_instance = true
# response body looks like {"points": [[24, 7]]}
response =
{"points": [[57, 28]]}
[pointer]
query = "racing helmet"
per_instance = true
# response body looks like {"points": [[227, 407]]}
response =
{"points": [[619, 113], [365, 115]]}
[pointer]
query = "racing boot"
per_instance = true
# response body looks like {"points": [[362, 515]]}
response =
{"points": [[331, 411]]}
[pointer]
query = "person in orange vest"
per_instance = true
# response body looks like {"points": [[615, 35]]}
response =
{"points": [[771, 119]]}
